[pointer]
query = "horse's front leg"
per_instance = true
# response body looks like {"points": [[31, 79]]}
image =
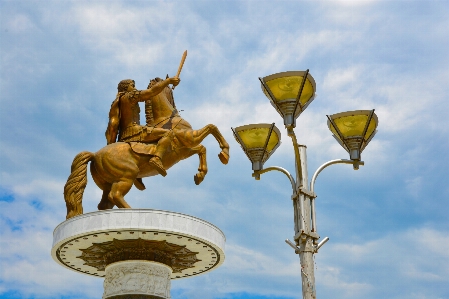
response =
{"points": [[224, 154], [192, 138], [202, 168]]}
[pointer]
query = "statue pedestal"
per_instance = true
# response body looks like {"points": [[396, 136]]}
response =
{"points": [[138, 251]]}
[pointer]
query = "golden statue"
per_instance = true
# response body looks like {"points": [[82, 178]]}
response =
{"points": [[136, 151]]}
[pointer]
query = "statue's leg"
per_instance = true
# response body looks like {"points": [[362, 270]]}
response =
{"points": [[118, 192], [105, 203], [164, 138]]}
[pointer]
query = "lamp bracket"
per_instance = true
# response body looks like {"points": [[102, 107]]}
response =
{"points": [[257, 174], [307, 192], [303, 234], [304, 247], [328, 163], [292, 245], [321, 244]]}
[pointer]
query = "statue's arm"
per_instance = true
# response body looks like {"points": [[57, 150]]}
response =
{"points": [[157, 88]]}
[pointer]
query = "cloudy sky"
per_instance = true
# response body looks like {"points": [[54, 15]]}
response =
{"points": [[387, 222]]}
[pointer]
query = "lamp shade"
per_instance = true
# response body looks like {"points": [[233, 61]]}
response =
{"points": [[353, 130], [290, 93], [258, 141]]}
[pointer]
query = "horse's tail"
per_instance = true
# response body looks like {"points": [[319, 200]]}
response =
{"points": [[76, 183]]}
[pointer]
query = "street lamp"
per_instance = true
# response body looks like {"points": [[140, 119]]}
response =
{"points": [[290, 93]]}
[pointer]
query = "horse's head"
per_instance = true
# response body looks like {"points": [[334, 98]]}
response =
{"points": [[167, 92]]}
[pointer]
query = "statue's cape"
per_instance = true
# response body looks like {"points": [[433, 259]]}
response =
{"points": [[143, 148]]}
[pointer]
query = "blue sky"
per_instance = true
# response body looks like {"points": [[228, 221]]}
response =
{"points": [[387, 222]]}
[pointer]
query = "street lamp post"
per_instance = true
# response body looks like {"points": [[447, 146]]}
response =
{"points": [[290, 93]]}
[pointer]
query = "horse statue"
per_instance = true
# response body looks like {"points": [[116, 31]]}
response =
{"points": [[117, 166]]}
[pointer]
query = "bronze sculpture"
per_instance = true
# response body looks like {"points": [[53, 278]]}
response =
{"points": [[140, 151]]}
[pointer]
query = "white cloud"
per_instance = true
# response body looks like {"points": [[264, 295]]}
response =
{"points": [[26, 264], [249, 261], [332, 279], [409, 256]]}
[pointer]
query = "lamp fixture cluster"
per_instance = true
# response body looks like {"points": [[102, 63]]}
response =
{"points": [[290, 93]]}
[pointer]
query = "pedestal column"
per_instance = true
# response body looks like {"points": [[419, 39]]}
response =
{"points": [[137, 279]]}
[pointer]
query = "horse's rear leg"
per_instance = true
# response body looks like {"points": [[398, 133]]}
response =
{"points": [[118, 192], [105, 203]]}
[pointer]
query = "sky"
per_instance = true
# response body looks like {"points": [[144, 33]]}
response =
{"points": [[60, 62]]}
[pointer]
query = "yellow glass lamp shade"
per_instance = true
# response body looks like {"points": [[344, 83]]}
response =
{"points": [[353, 130], [289, 93], [256, 138], [258, 141]]}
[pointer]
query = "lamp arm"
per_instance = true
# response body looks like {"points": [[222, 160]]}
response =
{"points": [[299, 177], [312, 185], [328, 163], [283, 170]]}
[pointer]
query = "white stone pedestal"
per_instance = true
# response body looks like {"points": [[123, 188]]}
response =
{"points": [[138, 251]]}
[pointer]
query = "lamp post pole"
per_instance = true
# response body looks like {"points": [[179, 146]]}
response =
{"points": [[305, 237]]}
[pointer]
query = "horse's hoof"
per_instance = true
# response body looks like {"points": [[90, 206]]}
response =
{"points": [[198, 178], [224, 157]]}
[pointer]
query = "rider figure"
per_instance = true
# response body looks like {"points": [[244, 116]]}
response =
{"points": [[124, 119]]}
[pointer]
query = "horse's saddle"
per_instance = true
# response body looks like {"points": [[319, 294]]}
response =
{"points": [[143, 148]]}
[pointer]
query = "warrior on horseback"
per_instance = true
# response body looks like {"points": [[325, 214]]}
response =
{"points": [[134, 151], [124, 119]]}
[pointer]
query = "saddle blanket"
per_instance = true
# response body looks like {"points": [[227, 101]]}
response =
{"points": [[143, 148]]}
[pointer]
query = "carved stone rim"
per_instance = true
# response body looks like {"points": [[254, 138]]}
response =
{"points": [[214, 261], [177, 257]]}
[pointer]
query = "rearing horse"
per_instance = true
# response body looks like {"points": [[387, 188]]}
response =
{"points": [[116, 166]]}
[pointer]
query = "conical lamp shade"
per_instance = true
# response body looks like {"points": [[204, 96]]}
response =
{"points": [[353, 130], [258, 141], [290, 93]]}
